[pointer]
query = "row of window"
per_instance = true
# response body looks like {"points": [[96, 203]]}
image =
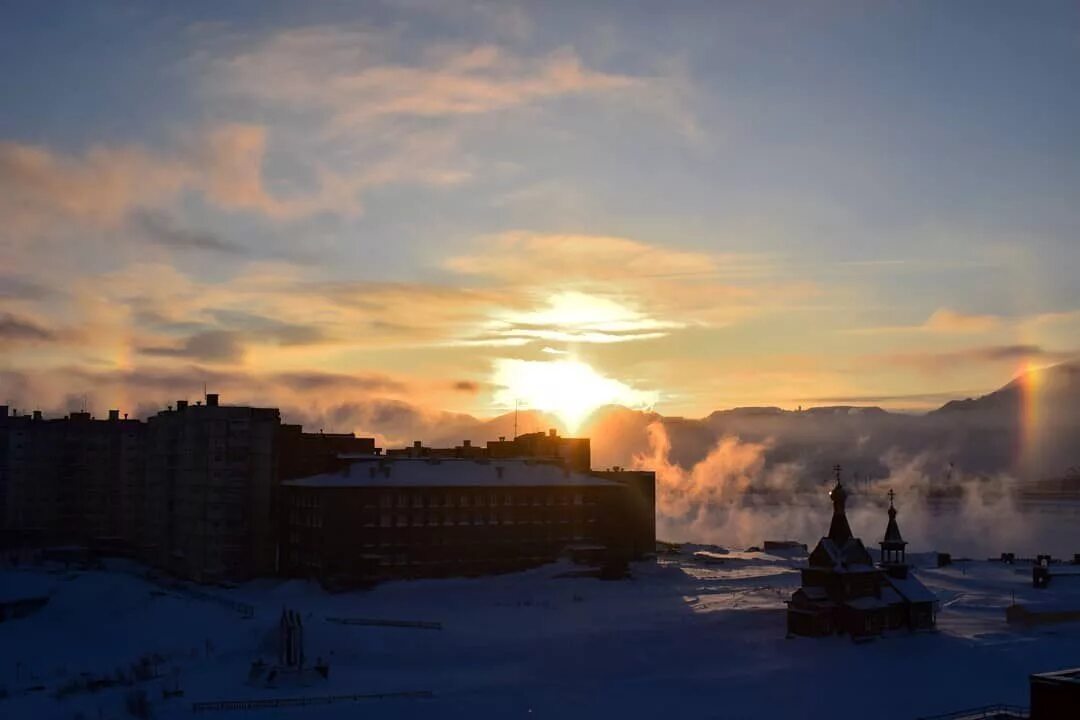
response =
{"points": [[492, 500], [314, 519]]}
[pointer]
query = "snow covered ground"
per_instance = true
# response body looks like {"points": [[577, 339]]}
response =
{"points": [[700, 637]]}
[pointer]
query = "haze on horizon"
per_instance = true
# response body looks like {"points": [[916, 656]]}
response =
{"points": [[347, 210]]}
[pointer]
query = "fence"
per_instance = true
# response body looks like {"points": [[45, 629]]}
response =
{"points": [[372, 622], [217, 705], [987, 712]]}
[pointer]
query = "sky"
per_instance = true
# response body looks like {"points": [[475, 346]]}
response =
{"points": [[466, 206]]}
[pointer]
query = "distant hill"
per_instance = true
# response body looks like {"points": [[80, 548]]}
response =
{"points": [[1057, 387]]}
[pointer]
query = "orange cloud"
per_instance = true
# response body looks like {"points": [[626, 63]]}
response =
{"points": [[950, 321], [344, 72], [943, 321]]}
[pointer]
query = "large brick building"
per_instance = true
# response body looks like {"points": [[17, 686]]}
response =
{"points": [[212, 486], [193, 490], [68, 479], [210, 476], [416, 517]]}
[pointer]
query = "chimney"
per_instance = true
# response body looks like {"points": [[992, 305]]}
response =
{"points": [[502, 438], [416, 444], [552, 432], [212, 400], [465, 443], [181, 404], [114, 414], [37, 414]]}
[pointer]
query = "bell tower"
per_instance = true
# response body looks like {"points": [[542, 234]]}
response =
{"points": [[839, 530], [893, 556]]}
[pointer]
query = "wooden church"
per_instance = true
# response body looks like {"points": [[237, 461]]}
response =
{"points": [[843, 591]]}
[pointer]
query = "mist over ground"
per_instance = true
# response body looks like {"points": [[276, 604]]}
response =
{"points": [[970, 478]]}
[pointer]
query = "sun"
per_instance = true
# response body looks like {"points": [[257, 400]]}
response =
{"points": [[568, 389]]}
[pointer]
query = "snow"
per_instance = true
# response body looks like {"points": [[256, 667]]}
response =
{"points": [[681, 638], [452, 472]]}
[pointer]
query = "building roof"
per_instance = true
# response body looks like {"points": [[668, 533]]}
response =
{"points": [[868, 602], [849, 556], [813, 592], [456, 472], [892, 530], [912, 589], [1070, 676]]}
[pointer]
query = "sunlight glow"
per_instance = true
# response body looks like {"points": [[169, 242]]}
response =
{"points": [[1030, 381], [569, 389], [572, 316]]}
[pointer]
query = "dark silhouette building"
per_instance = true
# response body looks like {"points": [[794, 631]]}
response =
{"points": [[210, 476], [301, 454], [429, 517], [844, 592], [576, 453], [213, 475], [69, 480], [213, 492], [194, 490]]}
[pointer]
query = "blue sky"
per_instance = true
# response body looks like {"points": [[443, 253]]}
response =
{"points": [[871, 200]]}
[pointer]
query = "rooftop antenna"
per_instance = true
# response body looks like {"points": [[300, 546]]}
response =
{"points": [[516, 403]]}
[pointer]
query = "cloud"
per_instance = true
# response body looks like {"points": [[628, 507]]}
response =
{"points": [[466, 386], [17, 287], [100, 187], [261, 329], [217, 346], [161, 228], [957, 360], [51, 195], [941, 321], [545, 259], [17, 329], [596, 289], [572, 316], [949, 321], [346, 74], [312, 381]]}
